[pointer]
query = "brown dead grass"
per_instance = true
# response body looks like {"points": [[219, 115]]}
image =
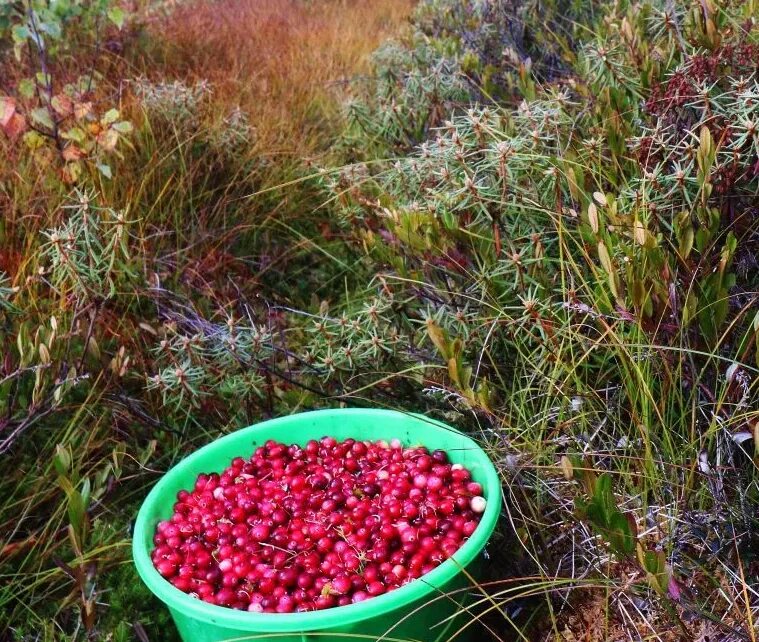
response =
{"points": [[282, 61]]}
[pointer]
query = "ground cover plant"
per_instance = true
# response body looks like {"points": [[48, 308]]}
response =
{"points": [[537, 221]]}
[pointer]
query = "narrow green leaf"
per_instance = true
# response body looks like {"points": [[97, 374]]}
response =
{"points": [[624, 541], [604, 497], [85, 492], [62, 459]]}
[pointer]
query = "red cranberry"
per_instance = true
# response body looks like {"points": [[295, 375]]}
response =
{"points": [[305, 528]]}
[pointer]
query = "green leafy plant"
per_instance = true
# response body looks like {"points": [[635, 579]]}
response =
{"points": [[59, 122], [601, 510]]}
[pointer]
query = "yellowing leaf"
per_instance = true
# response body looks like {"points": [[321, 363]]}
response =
{"points": [[44, 354], [72, 153], [566, 467], [600, 198], [71, 172], [15, 127], [82, 109], [615, 286], [63, 105], [593, 218], [574, 189], [603, 255], [626, 29], [638, 292], [643, 236], [107, 139], [639, 232], [712, 33], [453, 370], [705, 140], [438, 337], [33, 140]]}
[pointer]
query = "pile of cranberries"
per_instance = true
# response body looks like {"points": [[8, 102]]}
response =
{"points": [[305, 528]]}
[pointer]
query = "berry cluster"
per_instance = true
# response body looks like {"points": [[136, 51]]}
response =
{"points": [[304, 528]]}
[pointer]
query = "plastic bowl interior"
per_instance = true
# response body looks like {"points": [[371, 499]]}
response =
{"points": [[366, 424]]}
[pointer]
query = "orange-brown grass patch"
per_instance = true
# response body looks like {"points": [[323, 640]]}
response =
{"points": [[281, 61]]}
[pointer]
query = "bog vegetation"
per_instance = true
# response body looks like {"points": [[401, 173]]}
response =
{"points": [[538, 221]]}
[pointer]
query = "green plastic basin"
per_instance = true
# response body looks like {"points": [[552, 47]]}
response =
{"points": [[432, 608]]}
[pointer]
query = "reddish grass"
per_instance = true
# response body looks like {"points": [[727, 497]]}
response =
{"points": [[282, 61]]}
